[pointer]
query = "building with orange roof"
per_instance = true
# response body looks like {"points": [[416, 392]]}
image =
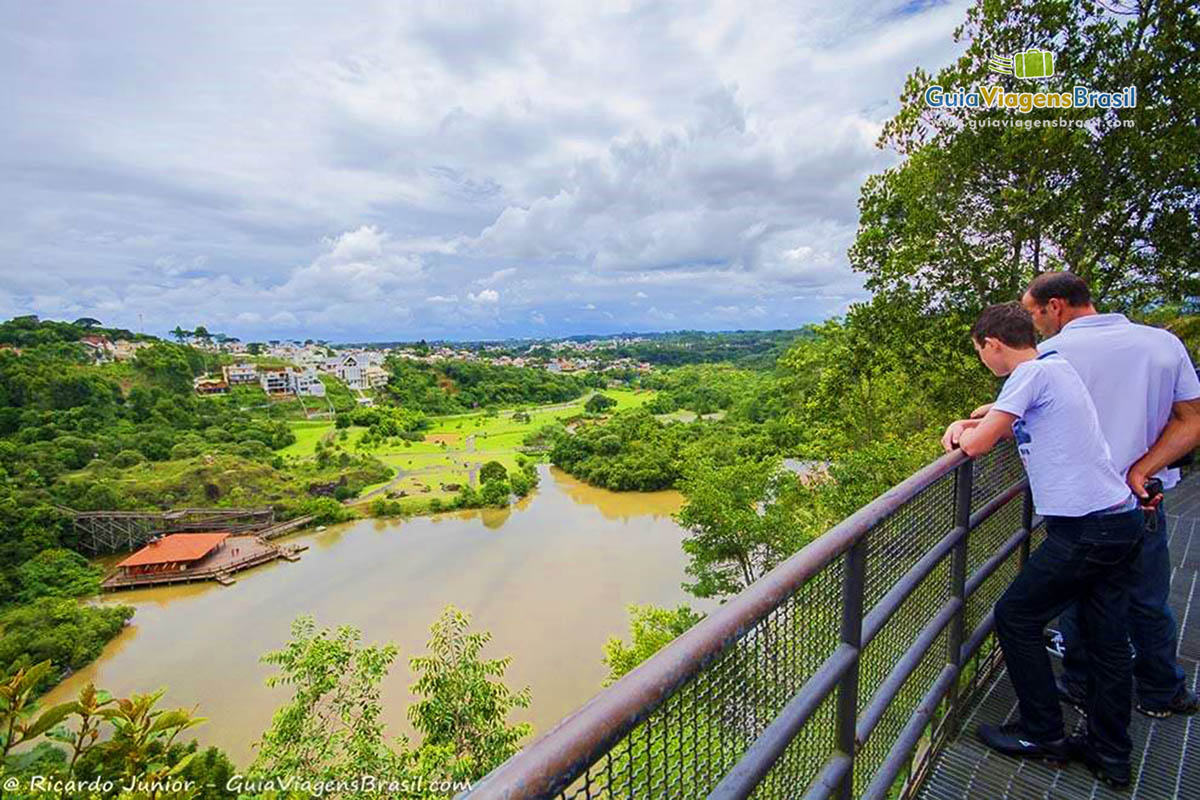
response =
{"points": [[173, 553]]}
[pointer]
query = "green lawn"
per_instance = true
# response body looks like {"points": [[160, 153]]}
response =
{"points": [[307, 436], [454, 444]]}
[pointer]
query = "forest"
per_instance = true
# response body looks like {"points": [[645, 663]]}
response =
{"points": [[455, 387]]}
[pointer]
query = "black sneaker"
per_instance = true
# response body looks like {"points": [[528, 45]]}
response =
{"points": [[1012, 740], [1109, 771], [1072, 694], [1185, 703]]}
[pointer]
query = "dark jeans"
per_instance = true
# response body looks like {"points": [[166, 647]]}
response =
{"points": [[1156, 672], [1085, 561]]}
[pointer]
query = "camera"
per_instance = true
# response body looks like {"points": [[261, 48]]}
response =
{"points": [[1154, 490]]}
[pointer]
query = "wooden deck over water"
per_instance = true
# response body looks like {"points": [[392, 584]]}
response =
{"points": [[238, 553], [1166, 753]]}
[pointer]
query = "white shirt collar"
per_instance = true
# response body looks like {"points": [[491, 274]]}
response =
{"points": [[1095, 321]]}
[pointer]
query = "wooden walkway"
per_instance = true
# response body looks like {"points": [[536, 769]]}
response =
{"points": [[1166, 753], [250, 552]]}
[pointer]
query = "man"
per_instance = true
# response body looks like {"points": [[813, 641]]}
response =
{"points": [[1147, 397], [1093, 533]]}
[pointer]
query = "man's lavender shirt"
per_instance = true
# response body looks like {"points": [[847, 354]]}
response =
{"points": [[1135, 373]]}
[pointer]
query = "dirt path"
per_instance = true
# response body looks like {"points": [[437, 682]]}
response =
{"points": [[392, 484]]}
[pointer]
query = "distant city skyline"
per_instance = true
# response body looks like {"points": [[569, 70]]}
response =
{"points": [[383, 172]]}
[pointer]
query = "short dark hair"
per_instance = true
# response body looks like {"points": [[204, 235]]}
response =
{"points": [[1066, 286], [1008, 322]]}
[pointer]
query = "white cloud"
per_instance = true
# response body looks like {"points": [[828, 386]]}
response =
{"points": [[498, 276], [352, 174]]}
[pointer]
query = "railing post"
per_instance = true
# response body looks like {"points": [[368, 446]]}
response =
{"points": [[852, 616], [963, 478], [1026, 525]]}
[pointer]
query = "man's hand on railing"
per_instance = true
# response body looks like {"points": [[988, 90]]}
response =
{"points": [[955, 431], [981, 411]]}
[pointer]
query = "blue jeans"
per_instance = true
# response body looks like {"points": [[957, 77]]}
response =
{"points": [[1084, 561], [1157, 674]]}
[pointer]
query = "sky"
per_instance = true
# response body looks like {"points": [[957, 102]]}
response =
{"points": [[385, 171]]}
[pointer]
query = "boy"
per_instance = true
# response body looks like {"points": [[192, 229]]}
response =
{"points": [[1094, 530]]}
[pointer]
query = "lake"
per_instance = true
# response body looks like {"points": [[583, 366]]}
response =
{"points": [[551, 578]]}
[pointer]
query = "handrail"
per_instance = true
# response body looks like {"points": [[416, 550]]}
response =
{"points": [[555, 760]]}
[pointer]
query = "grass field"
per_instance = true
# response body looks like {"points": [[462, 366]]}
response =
{"points": [[455, 447], [307, 436]]}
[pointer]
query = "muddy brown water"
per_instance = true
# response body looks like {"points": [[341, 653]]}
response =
{"points": [[551, 580]]}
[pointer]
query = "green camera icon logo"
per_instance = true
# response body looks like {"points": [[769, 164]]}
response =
{"points": [[1029, 65]]}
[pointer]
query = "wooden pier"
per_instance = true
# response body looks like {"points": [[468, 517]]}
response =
{"points": [[238, 553]]}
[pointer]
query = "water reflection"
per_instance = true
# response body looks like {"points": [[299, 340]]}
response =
{"points": [[617, 505], [551, 578]]}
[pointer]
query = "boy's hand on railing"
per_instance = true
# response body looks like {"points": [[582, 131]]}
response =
{"points": [[955, 431], [981, 411]]}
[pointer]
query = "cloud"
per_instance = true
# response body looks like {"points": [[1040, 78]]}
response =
{"points": [[499, 276], [485, 297], [349, 176]]}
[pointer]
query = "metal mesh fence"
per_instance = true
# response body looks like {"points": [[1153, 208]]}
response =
{"points": [[698, 733], [688, 744]]}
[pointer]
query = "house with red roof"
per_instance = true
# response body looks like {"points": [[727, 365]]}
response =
{"points": [[173, 553]]}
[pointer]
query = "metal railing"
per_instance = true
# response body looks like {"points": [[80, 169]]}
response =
{"points": [[839, 674]]}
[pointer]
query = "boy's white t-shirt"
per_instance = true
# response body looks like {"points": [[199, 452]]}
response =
{"points": [[1058, 435]]}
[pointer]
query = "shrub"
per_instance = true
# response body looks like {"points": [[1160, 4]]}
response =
{"points": [[520, 483], [127, 458], [185, 450], [598, 403], [495, 493], [492, 471]]}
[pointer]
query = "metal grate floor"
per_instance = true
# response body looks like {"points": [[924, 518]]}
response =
{"points": [[1166, 752]]}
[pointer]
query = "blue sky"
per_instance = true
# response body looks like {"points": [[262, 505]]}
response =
{"points": [[359, 171]]}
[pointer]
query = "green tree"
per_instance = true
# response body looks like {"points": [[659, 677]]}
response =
{"points": [[57, 572], [167, 365], [495, 493], [650, 629], [464, 702], [598, 404], [331, 728], [974, 211], [743, 517], [492, 471], [132, 736]]}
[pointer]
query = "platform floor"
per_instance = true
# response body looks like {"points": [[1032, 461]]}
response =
{"points": [[238, 552], [1166, 753]]}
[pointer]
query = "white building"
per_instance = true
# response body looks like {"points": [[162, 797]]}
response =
{"points": [[376, 376], [308, 383], [125, 350], [100, 348], [240, 374], [275, 380]]}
